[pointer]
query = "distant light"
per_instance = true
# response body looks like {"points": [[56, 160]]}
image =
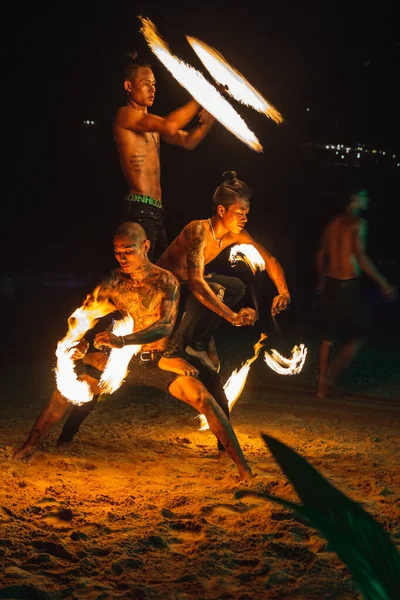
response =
{"points": [[358, 155], [342, 156], [394, 156], [374, 151], [307, 109]]}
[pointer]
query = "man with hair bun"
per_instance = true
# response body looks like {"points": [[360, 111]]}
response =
{"points": [[199, 243], [137, 134]]}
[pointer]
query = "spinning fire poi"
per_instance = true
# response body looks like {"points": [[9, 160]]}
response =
{"points": [[81, 320], [280, 364], [234, 82], [116, 368], [204, 92]]}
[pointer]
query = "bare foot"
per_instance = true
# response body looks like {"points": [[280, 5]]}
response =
{"points": [[202, 356], [24, 453], [329, 389], [177, 365], [322, 391]]}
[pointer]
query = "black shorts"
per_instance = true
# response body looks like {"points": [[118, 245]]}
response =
{"points": [[148, 374], [344, 311], [141, 373]]}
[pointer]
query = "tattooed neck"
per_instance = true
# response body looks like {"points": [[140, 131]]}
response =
{"points": [[141, 273]]}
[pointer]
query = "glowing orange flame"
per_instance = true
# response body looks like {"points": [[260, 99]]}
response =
{"points": [[234, 386], [199, 88], [249, 255], [234, 82], [83, 319], [287, 366], [117, 365]]}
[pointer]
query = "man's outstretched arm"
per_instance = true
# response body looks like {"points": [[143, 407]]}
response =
{"points": [[367, 265], [274, 270], [195, 234], [143, 122], [190, 139]]}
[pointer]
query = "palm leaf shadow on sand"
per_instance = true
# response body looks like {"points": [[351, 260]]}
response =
{"points": [[357, 538]]}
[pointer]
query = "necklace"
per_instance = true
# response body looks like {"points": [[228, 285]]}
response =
{"points": [[219, 240]]}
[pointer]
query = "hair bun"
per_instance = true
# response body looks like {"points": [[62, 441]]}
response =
{"points": [[132, 55], [229, 175]]}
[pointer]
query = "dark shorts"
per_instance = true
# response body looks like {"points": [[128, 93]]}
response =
{"points": [[149, 375], [151, 218], [140, 374], [344, 311]]}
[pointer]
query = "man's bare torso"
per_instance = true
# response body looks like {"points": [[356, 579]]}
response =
{"points": [[141, 299], [175, 256], [139, 155], [339, 247]]}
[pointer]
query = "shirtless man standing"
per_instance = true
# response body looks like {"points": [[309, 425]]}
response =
{"points": [[198, 244], [150, 295], [137, 134], [340, 260]]}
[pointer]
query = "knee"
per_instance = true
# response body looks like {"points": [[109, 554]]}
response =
{"points": [[58, 403], [206, 402]]}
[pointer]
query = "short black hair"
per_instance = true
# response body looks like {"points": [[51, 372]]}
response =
{"points": [[133, 66]]}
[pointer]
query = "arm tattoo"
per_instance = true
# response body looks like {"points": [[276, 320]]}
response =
{"points": [[195, 235], [170, 301]]}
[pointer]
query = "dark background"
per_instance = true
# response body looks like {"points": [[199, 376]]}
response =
{"points": [[330, 68]]}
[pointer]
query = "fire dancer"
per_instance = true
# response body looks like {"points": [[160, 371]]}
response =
{"points": [[150, 295], [341, 258], [198, 244], [137, 134]]}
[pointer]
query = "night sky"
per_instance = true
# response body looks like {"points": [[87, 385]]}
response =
{"points": [[339, 60]]}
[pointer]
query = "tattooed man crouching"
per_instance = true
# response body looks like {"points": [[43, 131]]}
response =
{"points": [[150, 295]]}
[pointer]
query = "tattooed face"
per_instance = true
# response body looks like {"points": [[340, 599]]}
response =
{"points": [[143, 88], [131, 253], [234, 217]]}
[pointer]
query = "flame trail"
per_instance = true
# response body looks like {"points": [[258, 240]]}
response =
{"points": [[235, 384], [233, 81], [198, 87], [83, 319], [287, 366], [117, 365], [249, 255]]}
